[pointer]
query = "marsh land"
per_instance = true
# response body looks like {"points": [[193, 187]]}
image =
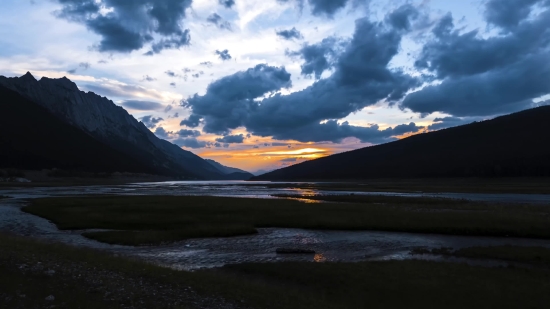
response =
{"points": [[376, 251]]}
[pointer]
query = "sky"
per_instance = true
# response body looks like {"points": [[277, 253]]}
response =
{"points": [[261, 85]]}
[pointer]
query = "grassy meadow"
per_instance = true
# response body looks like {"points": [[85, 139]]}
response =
{"points": [[139, 220]]}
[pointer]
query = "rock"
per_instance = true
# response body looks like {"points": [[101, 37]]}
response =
{"points": [[294, 251], [50, 298]]}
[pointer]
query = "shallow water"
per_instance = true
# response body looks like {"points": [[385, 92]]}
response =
{"points": [[199, 253]]}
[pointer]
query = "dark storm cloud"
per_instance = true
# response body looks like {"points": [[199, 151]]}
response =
{"points": [[227, 3], [191, 142], [230, 99], [188, 133], [142, 105], [290, 34], [486, 76], [192, 121], [130, 25], [319, 57], [218, 21], [326, 7], [231, 139], [507, 14], [150, 121], [361, 78], [161, 132], [401, 18], [224, 54]]}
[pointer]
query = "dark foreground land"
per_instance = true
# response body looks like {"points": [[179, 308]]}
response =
{"points": [[139, 220], [81, 278]]}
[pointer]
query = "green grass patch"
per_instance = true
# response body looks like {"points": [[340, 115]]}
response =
{"points": [[396, 284], [136, 220]]}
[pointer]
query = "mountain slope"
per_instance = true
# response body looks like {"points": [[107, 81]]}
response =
{"points": [[507, 146], [109, 124], [231, 172], [32, 138]]}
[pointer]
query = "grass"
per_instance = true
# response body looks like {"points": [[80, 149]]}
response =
{"points": [[396, 284], [138, 220], [532, 255]]}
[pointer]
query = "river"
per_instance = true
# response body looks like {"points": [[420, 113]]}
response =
{"points": [[198, 253]]}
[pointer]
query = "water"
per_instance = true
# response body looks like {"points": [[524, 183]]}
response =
{"points": [[213, 252]]}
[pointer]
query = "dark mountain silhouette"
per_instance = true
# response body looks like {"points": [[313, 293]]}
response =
{"points": [[100, 119], [507, 146], [32, 138], [230, 172]]}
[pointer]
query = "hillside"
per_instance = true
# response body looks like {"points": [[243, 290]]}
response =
{"points": [[231, 172], [110, 125], [507, 146], [32, 138]]}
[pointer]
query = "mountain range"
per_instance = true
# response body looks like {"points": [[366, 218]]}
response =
{"points": [[50, 123], [515, 145]]}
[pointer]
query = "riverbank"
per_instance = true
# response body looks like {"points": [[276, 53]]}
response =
{"points": [[145, 220], [32, 271]]}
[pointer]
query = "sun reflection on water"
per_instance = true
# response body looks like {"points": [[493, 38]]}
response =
{"points": [[319, 258]]}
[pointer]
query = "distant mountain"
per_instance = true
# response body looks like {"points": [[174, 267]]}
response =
{"points": [[507, 146], [32, 138], [110, 125], [233, 173]]}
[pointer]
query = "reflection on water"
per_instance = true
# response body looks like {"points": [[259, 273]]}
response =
{"points": [[214, 252], [319, 258]]}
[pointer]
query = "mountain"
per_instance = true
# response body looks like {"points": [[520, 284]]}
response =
{"points": [[110, 125], [234, 173], [507, 146], [32, 138]]}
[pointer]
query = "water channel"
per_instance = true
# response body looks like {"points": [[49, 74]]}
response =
{"points": [[213, 252]]}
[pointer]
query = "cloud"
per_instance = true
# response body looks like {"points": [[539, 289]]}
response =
{"points": [[361, 78], [168, 108], [142, 105], [150, 121], [188, 133], [206, 64], [326, 7], [125, 26], [171, 73], [486, 76], [148, 78], [173, 84], [290, 34], [84, 65], [160, 132], [191, 142], [227, 3], [319, 57], [218, 21], [230, 99], [231, 139], [289, 160], [224, 54], [278, 144]]}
